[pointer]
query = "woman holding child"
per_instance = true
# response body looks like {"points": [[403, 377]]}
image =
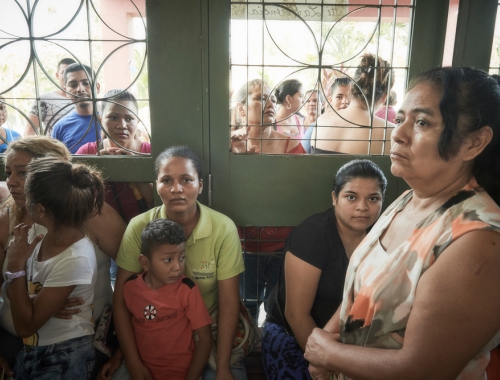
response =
{"points": [[421, 293], [310, 287], [118, 117], [105, 230], [213, 258], [46, 269]]}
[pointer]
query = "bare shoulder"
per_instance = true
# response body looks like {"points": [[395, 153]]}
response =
{"points": [[103, 226]]}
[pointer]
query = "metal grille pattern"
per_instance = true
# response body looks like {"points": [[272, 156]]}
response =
{"points": [[315, 42], [107, 35]]}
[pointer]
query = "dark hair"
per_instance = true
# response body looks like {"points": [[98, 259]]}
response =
{"points": [[287, 87], [393, 98], [65, 61], [179, 151], [341, 81], [359, 169], [71, 193], [366, 82], [74, 67], [470, 100], [160, 232], [117, 95]]}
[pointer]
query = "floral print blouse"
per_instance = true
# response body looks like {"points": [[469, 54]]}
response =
{"points": [[380, 288]]}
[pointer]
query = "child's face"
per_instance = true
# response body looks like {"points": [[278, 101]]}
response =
{"points": [[166, 265]]}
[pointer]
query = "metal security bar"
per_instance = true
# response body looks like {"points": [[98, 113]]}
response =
{"points": [[109, 36], [315, 43]]}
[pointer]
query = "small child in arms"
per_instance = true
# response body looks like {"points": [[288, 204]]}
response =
{"points": [[166, 307]]}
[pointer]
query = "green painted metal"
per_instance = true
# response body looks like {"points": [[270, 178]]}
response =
{"points": [[429, 32], [176, 76], [474, 35], [261, 189]]}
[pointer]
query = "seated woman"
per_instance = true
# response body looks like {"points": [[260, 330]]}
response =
{"points": [[119, 119], [354, 130], [338, 99], [213, 258], [105, 230], [6, 135], [290, 97], [257, 114], [317, 254], [422, 291]]}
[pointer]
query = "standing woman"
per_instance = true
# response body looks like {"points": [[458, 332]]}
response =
{"points": [[313, 107], [46, 268], [317, 255], [290, 98], [354, 130], [118, 117], [213, 258], [256, 112], [105, 230], [421, 295]]}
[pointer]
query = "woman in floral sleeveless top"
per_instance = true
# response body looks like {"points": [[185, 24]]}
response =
{"points": [[422, 292]]}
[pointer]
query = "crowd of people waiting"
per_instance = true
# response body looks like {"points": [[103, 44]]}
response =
{"points": [[411, 294]]}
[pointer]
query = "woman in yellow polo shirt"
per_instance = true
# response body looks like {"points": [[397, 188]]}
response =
{"points": [[213, 257]]}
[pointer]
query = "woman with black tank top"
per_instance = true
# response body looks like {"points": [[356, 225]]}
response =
{"points": [[310, 287]]}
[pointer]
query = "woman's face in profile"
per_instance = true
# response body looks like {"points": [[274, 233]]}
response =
{"points": [[15, 170], [296, 101], [414, 142], [358, 204]]}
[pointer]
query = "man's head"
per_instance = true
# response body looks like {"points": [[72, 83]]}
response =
{"points": [[78, 85], [162, 252], [61, 66]]}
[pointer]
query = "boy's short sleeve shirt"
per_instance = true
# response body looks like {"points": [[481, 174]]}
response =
{"points": [[164, 320], [213, 251]]}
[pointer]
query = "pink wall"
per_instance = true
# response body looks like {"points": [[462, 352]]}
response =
{"points": [[118, 15]]}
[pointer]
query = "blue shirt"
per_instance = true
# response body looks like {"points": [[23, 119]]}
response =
{"points": [[10, 135], [75, 130]]}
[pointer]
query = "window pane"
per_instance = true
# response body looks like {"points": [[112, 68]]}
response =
{"points": [[495, 51], [108, 36], [298, 49]]}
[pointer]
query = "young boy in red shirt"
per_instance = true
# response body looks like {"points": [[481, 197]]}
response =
{"points": [[167, 307]]}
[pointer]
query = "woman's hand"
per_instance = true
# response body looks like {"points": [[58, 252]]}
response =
{"points": [[66, 312], [114, 151], [318, 345], [239, 139], [19, 250]]}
